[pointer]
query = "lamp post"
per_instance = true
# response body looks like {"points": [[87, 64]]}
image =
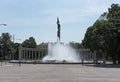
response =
{"points": [[3, 24], [12, 57]]}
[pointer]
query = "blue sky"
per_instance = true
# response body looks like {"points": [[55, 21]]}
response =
{"points": [[37, 18]]}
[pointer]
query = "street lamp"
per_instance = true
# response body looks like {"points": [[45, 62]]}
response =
{"points": [[3, 24], [12, 57]]}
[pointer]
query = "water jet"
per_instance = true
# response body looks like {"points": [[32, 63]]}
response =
{"points": [[59, 52]]}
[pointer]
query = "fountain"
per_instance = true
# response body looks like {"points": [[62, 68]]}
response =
{"points": [[58, 52]]}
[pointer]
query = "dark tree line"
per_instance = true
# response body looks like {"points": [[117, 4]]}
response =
{"points": [[9, 49], [104, 36], [6, 46], [29, 43], [76, 45]]}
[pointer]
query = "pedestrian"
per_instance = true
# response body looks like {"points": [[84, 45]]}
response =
{"points": [[19, 63]]}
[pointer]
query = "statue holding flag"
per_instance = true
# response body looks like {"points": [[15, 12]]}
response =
{"points": [[58, 26]]}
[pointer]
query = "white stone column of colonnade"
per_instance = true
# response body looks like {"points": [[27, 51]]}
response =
{"points": [[24, 55], [38, 55], [20, 53], [35, 55], [91, 56], [42, 54], [94, 55], [87, 55], [88, 52], [29, 54], [83, 55]]}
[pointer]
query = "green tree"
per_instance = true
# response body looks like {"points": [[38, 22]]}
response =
{"points": [[104, 35], [76, 45], [5, 45], [29, 43], [88, 39], [114, 19]]}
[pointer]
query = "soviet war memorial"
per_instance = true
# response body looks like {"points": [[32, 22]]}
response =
{"points": [[57, 52], [60, 41]]}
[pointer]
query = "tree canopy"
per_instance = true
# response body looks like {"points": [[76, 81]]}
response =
{"points": [[29, 43], [104, 35], [76, 45], [5, 45]]}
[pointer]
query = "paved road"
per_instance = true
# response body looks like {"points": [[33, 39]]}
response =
{"points": [[57, 73]]}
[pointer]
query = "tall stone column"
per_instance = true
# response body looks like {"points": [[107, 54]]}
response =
{"points": [[28, 54], [35, 55], [91, 56], [95, 55], [24, 56], [38, 55], [20, 52], [32, 55]]}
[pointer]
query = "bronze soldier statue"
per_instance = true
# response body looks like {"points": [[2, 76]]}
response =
{"points": [[58, 25]]}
